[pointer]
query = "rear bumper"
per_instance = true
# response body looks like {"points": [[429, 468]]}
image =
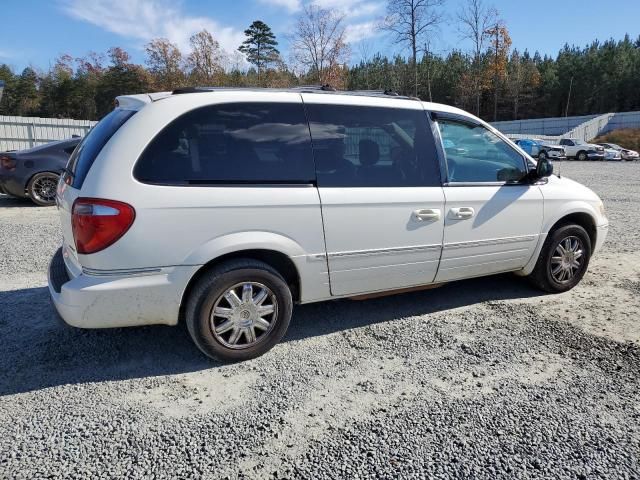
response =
{"points": [[112, 300], [11, 186]]}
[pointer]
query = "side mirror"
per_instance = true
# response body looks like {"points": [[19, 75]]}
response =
{"points": [[544, 168]]}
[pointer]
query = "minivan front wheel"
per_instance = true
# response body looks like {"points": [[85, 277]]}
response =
{"points": [[563, 261], [239, 310]]}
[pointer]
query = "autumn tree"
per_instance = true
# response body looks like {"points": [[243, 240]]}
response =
{"points": [[523, 78], [318, 44], [411, 22], [205, 59], [164, 61], [497, 71], [475, 21], [260, 46], [121, 77]]}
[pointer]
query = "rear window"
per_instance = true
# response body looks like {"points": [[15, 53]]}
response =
{"points": [[85, 154], [235, 143]]}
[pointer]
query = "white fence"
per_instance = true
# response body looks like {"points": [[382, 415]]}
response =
{"points": [[17, 133], [585, 127]]}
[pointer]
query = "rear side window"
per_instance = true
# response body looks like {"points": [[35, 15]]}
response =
{"points": [[85, 154], [360, 146], [241, 143]]}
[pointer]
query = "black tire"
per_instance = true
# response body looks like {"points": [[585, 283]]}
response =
{"points": [[208, 292], [42, 188], [542, 276], [582, 156]]}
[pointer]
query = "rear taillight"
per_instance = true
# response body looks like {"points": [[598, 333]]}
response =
{"points": [[7, 163], [98, 223]]}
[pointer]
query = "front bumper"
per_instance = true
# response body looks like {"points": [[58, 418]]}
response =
{"points": [[111, 300], [595, 156], [601, 236]]}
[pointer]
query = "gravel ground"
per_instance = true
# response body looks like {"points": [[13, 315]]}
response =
{"points": [[478, 379]]}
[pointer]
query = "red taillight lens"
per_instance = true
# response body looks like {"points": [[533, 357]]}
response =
{"points": [[98, 223], [7, 163]]}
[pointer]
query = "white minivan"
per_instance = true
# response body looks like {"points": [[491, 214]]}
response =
{"points": [[224, 207]]}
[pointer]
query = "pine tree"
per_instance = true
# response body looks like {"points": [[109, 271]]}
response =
{"points": [[260, 46]]}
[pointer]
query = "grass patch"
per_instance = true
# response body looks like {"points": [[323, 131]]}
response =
{"points": [[625, 137]]}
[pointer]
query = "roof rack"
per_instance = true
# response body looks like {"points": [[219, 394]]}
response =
{"points": [[300, 89]]}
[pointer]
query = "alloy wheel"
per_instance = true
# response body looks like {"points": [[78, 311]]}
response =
{"points": [[243, 315], [567, 260], [44, 188]]}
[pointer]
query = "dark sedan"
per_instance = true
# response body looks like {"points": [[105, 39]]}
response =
{"points": [[34, 173]]}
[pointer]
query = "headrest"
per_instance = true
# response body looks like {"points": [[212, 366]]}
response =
{"points": [[369, 152]]}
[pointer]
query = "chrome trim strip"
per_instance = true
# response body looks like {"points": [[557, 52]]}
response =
{"points": [[491, 241], [120, 273], [385, 251]]}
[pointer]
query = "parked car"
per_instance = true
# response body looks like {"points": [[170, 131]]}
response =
{"points": [[34, 173], [611, 154], [225, 207], [540, 149], [581, 150], [625, 153]]}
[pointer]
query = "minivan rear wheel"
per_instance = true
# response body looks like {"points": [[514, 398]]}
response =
{"points": [[563, 260], [239, 310]]}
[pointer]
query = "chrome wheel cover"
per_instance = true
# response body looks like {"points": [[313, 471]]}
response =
{"points": [[567, 259], [44, 188], [244, 315]]}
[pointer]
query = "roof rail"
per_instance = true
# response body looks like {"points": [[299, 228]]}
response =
{"points": [[323, 88], [302, 89], [180, 90]]}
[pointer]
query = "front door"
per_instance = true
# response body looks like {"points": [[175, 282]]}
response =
{"points": [[493, 216], [380, 190]]}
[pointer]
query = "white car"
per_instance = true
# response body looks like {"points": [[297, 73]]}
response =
{"points": [[625, 153], [225, 207], [611, 154], [581, 150]]}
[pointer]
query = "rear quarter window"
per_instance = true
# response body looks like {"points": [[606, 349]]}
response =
{"points": [[234, 143], [86, 152]]}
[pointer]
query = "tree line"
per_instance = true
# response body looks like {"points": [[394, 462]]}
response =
{"points": [[491, 79]]}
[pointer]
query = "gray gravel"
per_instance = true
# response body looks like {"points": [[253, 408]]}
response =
{"points": [[478, 379]]}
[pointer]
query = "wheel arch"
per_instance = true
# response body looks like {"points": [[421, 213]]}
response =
{"points": [[30, 177], [276, 259], [583, 219]]}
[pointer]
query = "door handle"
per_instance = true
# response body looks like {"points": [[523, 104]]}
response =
{"points": [[427, 214], [461, 213]]}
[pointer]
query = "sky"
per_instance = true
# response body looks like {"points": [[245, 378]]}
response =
{"points": [[35, 32]]}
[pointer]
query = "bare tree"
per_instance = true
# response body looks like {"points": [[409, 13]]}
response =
{"points": [[318, 43], [476, 20], [411, 21], [205, 59]]}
